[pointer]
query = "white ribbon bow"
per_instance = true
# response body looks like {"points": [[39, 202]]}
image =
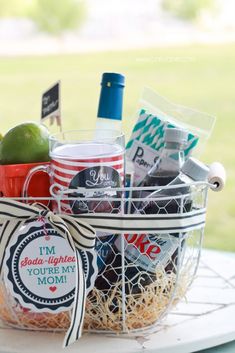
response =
{"points": [[80, 236]]}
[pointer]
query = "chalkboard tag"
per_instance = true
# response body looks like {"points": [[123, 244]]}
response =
{"points": [[51, 105]]}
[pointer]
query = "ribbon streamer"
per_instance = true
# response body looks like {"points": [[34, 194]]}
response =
{"points": [[80, 236], [151, 223]]}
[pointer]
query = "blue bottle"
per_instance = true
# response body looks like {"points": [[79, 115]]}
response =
{"points": [[109, 117], [109, 114]]}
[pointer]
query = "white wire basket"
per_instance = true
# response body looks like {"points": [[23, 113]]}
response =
{"points": [[148, 251]]}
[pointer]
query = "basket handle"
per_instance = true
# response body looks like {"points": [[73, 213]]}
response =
{"points": [[217, 176]]}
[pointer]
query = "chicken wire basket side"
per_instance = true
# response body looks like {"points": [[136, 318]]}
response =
{"points": [[146, 259], [144, 266]]}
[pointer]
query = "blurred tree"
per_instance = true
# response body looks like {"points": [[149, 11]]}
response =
{"points": [[56, 16], [187, 9], [51, 16], [13, 8]]}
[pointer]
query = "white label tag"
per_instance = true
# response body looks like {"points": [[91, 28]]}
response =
{"points": [[148, 251], [143, 157], [40, 268]]}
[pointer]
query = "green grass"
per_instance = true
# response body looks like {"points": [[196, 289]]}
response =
{"points": [[199, 77]]}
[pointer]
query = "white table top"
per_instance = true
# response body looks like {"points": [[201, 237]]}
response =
{"points": [[206, 320]]}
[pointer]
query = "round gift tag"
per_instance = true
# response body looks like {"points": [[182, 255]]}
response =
{"points": [[40, 268], [96, 178]]}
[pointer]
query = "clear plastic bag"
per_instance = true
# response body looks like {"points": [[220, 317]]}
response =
{"points": [[198, 123], [154, 115]]}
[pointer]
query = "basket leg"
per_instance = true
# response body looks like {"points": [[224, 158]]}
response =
{"points": [[123, 284]]}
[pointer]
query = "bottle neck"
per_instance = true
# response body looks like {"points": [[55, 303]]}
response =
{"points": [[170, 161], [182, 179], [174, 146], [110, 124]]}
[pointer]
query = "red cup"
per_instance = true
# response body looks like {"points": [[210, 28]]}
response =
{"points": [[89, 159], [12, 178]]}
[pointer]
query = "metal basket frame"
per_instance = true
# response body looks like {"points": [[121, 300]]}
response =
{"points": [[198, 189]]}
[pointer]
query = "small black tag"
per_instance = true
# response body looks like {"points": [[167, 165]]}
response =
{"points": [[51, 102]]}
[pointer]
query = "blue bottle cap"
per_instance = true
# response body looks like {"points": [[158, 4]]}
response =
{"points": [[111, 96], [112, 78]]}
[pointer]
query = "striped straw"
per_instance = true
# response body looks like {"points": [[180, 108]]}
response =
{"points": [[153, 133], [145, 136], [136, 132], [192, 142], [158, 140], [150, 130]]}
